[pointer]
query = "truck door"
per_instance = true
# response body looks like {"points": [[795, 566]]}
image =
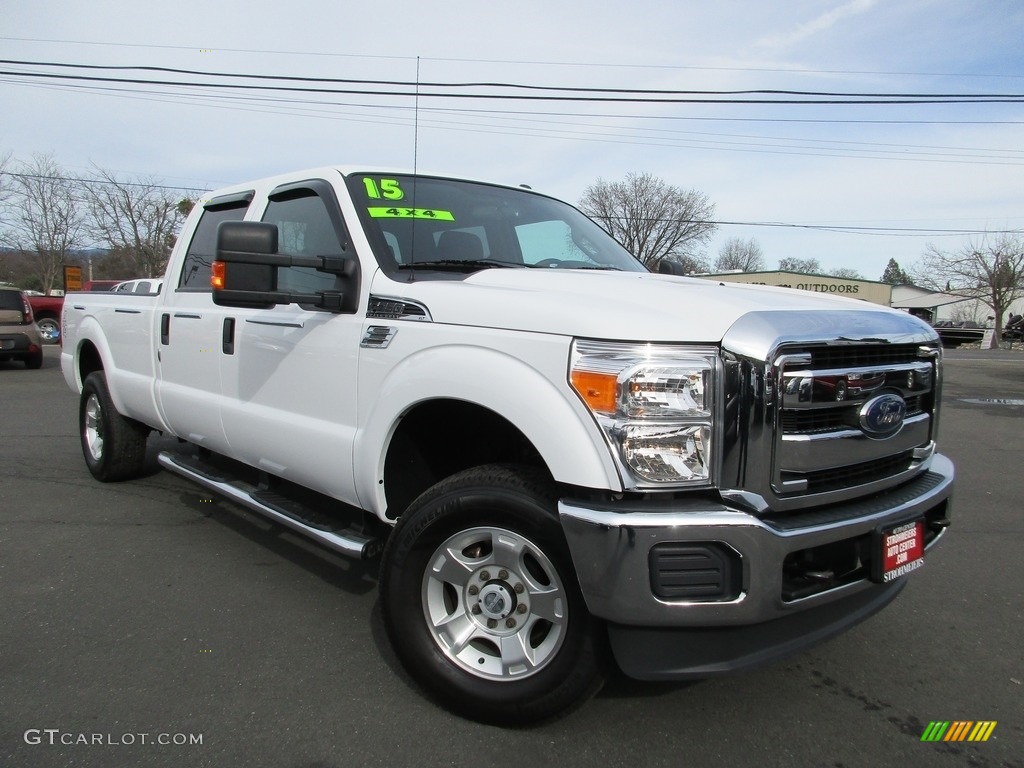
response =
{"points": [[189, 330], [289, 403]]}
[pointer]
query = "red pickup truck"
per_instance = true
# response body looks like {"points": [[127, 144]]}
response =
{"points": [[47, 309]]}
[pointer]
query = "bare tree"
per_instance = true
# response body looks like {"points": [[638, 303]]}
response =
{"points": [[653, 220], [846, 273], [46, 222], [137, 219], [5, 182], [990, 270], [793, 264], [739, 254]]}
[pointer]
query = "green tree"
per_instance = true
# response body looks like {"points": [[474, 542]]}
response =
{"points": [[894, 274], [653, 220]]}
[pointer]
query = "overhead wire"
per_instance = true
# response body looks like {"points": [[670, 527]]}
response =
{"points": [[843, 228], [636, 136], [530, 122], [456, 90], [515, 62]]}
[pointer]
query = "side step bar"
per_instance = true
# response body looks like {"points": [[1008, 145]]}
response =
{"points": [[275, 507]]}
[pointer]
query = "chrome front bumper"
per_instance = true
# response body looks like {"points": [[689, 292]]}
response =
{"points": [[611, 543]]}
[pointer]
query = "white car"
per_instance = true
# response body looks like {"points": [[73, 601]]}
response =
{"points": [[149, 286]]}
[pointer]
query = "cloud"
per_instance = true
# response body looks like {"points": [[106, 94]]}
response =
{"points": [[816, 26]]}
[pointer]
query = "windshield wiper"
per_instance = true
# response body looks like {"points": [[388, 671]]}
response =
{"points": [[458, 265], [575, 266]]}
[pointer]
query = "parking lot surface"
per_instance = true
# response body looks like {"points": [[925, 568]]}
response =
{"points": [[146, 623]]}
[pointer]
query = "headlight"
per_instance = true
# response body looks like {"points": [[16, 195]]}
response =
{"points": [[654, 404]]}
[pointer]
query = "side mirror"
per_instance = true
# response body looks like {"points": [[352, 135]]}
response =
{"points": [[666, 267], [246, 271]]}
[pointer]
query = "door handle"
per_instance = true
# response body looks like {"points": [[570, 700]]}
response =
{"points": [[165, 329], [227, 336]]}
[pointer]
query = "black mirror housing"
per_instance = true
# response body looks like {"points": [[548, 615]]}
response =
{"points": [[666, 267], [245, 273]]}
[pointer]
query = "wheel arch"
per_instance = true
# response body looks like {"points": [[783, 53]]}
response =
{"points": [[93, 354], [438, 438], [46, 314], [481, 406], [89, 361]]}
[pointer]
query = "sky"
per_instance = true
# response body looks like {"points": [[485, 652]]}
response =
{"points": [[851, 185]]}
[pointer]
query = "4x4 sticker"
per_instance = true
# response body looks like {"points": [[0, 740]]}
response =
{"points": [[381, 212]]}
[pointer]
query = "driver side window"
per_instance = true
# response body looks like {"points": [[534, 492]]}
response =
{"points": [[304, 229]]}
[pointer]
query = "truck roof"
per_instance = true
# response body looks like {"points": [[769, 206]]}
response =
{"points": [[325, 171]]}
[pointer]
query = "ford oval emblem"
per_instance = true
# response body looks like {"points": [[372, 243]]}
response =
{"points": [[883, 416]]}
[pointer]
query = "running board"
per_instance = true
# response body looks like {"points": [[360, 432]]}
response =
{"points": [[273, 506]]}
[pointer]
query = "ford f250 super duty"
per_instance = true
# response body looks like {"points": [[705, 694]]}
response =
{"points": [[560, 458]]}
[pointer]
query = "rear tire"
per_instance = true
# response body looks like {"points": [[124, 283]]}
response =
{"points": [[49, 327], [114, 446], [34, 360], [480, 599]]}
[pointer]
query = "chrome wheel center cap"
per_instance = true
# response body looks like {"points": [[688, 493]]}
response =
{"points": [[496, 601]]}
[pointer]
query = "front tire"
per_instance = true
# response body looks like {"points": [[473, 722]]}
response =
{"points": [[114, 445], [480, 600]]}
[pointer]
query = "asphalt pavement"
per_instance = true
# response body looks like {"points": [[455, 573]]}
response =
{"points": [[148, 624]]}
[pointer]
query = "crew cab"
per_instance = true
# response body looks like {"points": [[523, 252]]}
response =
{"points": [[561, 459]]}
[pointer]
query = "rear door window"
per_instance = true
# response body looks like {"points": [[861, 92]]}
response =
{"points": [[195, 273]]}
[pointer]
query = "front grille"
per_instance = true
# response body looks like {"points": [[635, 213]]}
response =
{"points": [[825, 408], [863, 356], [817, 421], [855, 474], [826, 394]]}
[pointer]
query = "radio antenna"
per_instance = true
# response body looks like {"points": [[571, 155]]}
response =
{"points": [[416, 121], [415, 166]]}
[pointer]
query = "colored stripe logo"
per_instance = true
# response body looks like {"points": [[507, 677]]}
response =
{"points": [[958, 730]]}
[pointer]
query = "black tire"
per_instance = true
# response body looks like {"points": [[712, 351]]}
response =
{"points": [[114, 446], [526, 647], [34, 360]]}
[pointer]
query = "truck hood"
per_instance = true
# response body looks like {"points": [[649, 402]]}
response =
{"points": [[608, 305]]}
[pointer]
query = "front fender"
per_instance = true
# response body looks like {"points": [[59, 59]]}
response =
{"points": [[528, 388]]}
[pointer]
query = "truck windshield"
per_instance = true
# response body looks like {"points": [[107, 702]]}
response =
{"points": [[426, 225]]}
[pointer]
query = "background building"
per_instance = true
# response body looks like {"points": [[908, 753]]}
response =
{"points": [[865, 290]]}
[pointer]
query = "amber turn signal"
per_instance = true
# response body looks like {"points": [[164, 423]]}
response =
{"points": [[597, 389], [217, 272]]}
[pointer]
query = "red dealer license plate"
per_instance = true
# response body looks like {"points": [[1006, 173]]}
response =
{"points": [[902, 550]]}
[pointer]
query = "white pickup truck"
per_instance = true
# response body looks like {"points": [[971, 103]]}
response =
{"points": [[559, 457]]}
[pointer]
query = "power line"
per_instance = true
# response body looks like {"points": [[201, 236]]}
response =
{"points": [[835, 228], [98, 182], [508, 85], [568, 94], [518, 62], [673, 139]]}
